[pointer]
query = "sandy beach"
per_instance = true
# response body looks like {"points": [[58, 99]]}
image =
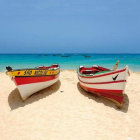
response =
{"points": [[65, 112]]}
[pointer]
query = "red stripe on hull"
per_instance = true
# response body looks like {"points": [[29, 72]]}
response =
{"points": [[96, 76], [104, 82], [29, 80], [116, 95]]}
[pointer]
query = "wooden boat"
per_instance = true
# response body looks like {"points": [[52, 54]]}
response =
{"points": [[29, 81], [65, 56], [87, 56], [104, 82]]}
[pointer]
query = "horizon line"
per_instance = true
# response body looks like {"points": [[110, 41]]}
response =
{"points": [[69, 53]]}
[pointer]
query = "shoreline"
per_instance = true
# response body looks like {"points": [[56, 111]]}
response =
{"points": [[69, 61]]}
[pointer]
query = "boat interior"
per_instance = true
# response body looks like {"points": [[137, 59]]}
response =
{"points": [[92, 70], [54, 66]]}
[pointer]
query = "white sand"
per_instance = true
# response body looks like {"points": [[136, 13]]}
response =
{"points": [[66, 112]]}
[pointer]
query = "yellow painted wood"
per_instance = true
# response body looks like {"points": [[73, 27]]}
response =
{"points": [[32, 72]]}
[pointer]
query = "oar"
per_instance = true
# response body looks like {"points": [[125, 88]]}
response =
{"points": [[116, 65]]}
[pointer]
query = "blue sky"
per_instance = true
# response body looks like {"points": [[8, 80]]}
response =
{"points": [[69, 26]]}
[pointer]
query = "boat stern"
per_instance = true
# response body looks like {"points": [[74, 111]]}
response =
{"points": [[9, 71]]}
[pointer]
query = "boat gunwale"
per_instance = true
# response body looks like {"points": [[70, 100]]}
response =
{"points": [[56, 68], [37, 69], [100, 74], [34, 69]]}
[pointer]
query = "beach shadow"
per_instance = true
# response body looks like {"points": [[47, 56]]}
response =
{"points": [[15, 101], [106, 102]]}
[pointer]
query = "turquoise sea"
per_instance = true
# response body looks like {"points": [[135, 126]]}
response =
{"points": [[69, 61]]}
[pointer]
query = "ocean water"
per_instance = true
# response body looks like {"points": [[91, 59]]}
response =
{"points": [[69, 61]]}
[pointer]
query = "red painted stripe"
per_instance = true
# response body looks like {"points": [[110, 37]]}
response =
{"points": [[110, 82], [116, 95], [96, 76], [29, 80], [103, 90]]}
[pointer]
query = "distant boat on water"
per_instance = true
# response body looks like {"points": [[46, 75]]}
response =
{"points": [[55, 55], [43, 54], [65, 55], [86, 56]]}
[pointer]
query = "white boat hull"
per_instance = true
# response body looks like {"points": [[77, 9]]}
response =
{"points": [[110, 84], [27, 90], [106, 78]]}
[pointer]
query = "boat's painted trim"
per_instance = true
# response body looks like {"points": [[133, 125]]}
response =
{"points": [[29, 80], [37, 68], [103, 90], [114, 95], [107, 78], [34, 72], [110, 82], [110, 86]]}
